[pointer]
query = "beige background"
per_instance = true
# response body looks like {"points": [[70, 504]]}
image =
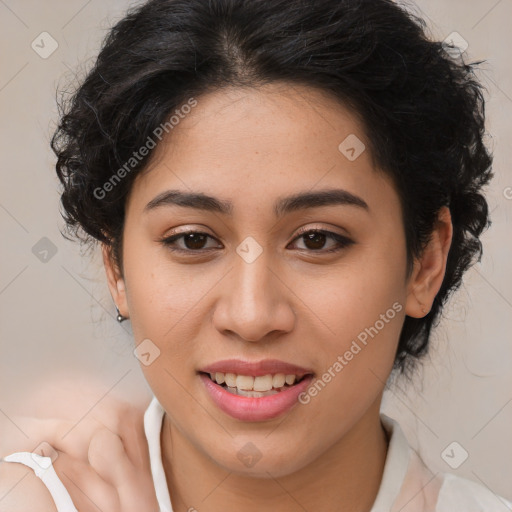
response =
{"points": [[57, 316]]}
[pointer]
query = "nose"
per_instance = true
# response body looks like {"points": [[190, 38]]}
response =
{"points": [[254, 303]]}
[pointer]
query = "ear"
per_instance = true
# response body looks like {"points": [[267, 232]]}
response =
{"points": [[115, 280], [429, 269]]}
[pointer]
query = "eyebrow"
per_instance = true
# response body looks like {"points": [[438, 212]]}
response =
{"points": [[283, 206]]}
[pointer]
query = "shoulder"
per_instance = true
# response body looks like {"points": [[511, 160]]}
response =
{"points": [[423, 489], [457, 493], [21, 490]]}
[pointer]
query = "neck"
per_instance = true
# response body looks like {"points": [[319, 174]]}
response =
{"points": [[347, 476]]}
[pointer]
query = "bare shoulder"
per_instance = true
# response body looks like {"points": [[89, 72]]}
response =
{"points": [[22, 491]]}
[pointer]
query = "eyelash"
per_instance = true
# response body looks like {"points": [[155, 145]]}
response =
{"points": [[342, 241]]}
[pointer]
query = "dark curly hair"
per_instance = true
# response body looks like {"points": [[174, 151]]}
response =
{"points": [[422, 109]]}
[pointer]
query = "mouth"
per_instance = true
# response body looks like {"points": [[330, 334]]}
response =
{"points": [[255, 386], [258, 392]]}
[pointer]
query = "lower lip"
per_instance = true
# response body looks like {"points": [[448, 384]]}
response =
{"points": [[255, 409]]}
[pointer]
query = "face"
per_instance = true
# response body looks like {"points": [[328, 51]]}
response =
{"points": [[269, 282]]}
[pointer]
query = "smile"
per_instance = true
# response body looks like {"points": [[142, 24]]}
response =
{"points": [[252, 405], [255, 387]]}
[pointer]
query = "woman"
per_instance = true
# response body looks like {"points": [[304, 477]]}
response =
{"points": [[285, 194]]}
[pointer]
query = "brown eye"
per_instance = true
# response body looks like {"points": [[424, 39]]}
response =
{"points": [[192, 241], [315, 240]]}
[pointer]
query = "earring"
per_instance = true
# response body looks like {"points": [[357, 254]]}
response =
{"points": [[120, 318]]}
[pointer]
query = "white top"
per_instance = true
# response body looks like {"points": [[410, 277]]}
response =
{"points": [[407, 484]]}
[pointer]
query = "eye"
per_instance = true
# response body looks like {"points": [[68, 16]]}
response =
{"points": [[194, 241], [315, 239]]}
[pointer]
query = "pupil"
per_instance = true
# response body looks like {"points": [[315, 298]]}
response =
{"points": [[191, 240], [317, 237]]}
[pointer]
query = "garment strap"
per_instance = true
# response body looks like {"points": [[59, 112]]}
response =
{"points": [[43, 468]]}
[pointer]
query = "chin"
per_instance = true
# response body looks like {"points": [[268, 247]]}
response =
{"points": [[263, 462]]}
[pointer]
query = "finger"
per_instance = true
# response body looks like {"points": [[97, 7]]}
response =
{"points": [[88, 491], [72, 431], [64, 435], [121, 418], [128, 424], [108, 457], [135, 488]]}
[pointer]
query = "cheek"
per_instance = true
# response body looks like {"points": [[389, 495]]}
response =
{"points": [[362, 309], [162, 301], [355, 361], [354, 296], [160, 293]]}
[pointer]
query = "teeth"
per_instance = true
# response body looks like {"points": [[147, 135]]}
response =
{"points": [[278, 380], [230, 379], [245, 382], [252, 394], [248, 383], [290, 379], [264, 383]]}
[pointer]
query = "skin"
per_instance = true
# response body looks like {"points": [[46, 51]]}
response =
{"points": [[101, 458], [294, 302]]}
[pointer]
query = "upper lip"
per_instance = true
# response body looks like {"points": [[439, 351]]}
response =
{"points": [[255, 368]]}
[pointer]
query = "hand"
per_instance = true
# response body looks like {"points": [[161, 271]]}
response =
{"points": [[99, 447]]}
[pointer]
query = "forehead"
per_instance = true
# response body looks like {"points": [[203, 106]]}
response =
{"points": [[274, 117], [277, 139]]}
